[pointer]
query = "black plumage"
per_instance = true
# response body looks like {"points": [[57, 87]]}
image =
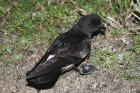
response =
{"points": [[66, 53]]}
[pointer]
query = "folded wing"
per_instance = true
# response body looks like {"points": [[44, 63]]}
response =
{"points": [[67, 49]]}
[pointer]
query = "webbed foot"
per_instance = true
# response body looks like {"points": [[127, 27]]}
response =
{"points": [[85, 69]]}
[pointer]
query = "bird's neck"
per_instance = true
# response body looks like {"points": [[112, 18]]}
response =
{"points": [[77, 28]]}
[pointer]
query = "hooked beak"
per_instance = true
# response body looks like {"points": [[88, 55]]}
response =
{"points": [[102, 29]]}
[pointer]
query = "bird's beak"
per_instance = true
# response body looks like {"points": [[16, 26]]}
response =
{"points": [[102, 29]]}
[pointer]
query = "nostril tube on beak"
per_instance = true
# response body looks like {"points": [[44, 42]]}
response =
{"points": [[102, 29]]}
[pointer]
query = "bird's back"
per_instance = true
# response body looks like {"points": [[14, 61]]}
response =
{"points": [[69, 48]]}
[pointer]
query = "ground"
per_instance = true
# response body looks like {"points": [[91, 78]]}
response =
{"points": [[101, 81], [27, 28]]}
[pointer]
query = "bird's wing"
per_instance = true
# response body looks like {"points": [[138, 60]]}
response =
{"points": [[65, 50]]}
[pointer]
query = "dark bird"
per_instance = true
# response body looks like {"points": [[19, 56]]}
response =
{"points": [[66, 53]]}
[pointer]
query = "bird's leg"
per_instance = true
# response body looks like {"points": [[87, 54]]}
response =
{"points": [[86, 68], [87, 59], [67, 68]]}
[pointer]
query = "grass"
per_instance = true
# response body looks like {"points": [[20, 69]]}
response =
{"points": [[32, 22]]}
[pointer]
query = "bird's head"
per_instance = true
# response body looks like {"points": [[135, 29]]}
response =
{"points": [[91, 25]]}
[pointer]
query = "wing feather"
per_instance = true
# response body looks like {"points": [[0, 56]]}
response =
{"points": [[68, 49]]}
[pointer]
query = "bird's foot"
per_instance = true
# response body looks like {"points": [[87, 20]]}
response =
{"points": [[85, 69]]}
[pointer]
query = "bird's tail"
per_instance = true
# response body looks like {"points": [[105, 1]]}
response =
{"points": [[44, 81]]}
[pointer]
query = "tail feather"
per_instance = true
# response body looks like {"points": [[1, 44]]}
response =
{"points": [[44, 81]]}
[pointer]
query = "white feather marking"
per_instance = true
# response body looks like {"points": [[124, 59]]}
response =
{"points": [[50, 56]]}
